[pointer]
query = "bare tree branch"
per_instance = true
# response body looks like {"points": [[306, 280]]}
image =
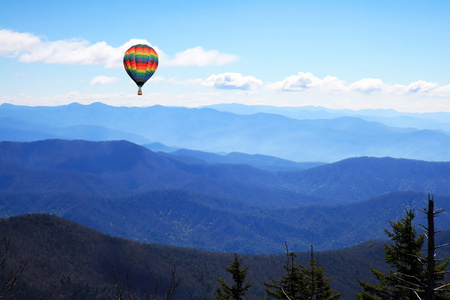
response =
{"points": [[13, 277]]}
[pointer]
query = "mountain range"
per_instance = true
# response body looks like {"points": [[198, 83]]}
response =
{"points": [[389, 117], [127, 190], [313, 139]]}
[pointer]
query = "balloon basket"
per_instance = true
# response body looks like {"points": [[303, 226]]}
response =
{"points": [[139, 93]]}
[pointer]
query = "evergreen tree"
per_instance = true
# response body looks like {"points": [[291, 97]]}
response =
{"points": [[408, 278], [290, 284], [403, 255], [316, 285], [240, 288], [302, 283]]}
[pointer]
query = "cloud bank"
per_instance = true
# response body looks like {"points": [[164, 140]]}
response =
{"points": [[307, 82], [30, 48]]}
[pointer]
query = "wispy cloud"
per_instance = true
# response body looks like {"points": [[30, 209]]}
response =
{"points": [[103, 80], [29, 48]]}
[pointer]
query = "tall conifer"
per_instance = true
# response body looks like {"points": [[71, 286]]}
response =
{"points": [[408, 277], [240, 287], [302, 283]]}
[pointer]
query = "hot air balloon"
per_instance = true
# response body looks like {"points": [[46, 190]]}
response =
{"points": [[140, 62]]}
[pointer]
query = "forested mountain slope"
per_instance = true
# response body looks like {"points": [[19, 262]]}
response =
{"points": [[72, 258], [68, 257], [127, 190], [136, 169]]}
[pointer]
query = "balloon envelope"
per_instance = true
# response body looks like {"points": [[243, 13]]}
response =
{"points": [[140, 62]]}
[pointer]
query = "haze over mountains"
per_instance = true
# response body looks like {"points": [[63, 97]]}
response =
{"points": [[274, 132], [389, 117]]}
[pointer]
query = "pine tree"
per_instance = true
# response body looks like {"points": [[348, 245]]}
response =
{"points": [[290, 284], [316, 285], [412, 276], [302, 283], [240, 288], [403, 254]]}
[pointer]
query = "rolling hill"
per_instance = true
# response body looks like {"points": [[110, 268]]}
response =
{"points": [[72, 258]]}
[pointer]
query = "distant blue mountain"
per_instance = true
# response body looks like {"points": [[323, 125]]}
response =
{"points": [[389, 117], [209, 130], [265, 162], [20, 130]]}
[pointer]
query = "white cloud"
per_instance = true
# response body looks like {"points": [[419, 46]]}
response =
{"points": [[30, 48], [12, 43], [421, 86], [368, 85], [103, 80], [232, 81], [77, 52], [306, 81]]}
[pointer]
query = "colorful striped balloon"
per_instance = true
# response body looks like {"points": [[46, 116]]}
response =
{"points": [[140, 62]]}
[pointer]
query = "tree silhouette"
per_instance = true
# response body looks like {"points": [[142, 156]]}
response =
{"points": [[435, 272], [240, 287], [302, 282]]}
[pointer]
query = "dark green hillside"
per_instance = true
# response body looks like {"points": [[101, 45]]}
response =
{"points": [[70, 256]]}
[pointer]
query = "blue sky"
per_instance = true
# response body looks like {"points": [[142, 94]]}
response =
{"points": [[337, 54]]}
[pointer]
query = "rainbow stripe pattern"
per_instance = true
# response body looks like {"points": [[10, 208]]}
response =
{"points": [[140, 62]]}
